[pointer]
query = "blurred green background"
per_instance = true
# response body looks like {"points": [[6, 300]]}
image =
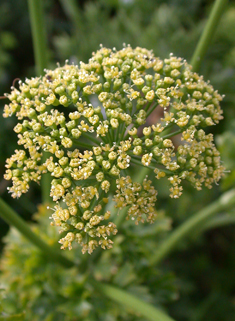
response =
{"points": [[199, 276]]}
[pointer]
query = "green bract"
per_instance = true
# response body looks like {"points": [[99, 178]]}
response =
{"points": [[94, 121]]}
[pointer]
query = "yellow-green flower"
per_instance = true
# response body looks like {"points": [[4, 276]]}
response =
{"points": [[92, 119]]}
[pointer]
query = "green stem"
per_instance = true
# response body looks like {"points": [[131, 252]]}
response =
{"points": [[137, 161], [90, 137], [81, 144], [173, 134], [41, 61], [148, 311], [109, 138], [223, 203], [11, 217], [39, 35], [123, 131], [208, 33], [167, 130], [218, 221], [149, 112]]}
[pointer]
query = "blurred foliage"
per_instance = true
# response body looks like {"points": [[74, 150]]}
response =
{"points": [[47, 291], [206, 282], [226, 144], [204, 288], [6, 317]]}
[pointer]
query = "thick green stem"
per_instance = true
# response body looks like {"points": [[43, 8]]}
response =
{"points": [[216, 222], [41, 62], [39, 35], [223, 203], [148, 311], [208, 33], [13, 219]]}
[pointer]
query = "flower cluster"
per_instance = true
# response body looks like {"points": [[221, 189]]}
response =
{"points": [[92, 119], [140, 199]]}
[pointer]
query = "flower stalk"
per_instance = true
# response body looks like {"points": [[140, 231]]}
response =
{"points": [[207, 35], [38, 28], [216, 222], [148, 311], [39, 35], [225, 201]]}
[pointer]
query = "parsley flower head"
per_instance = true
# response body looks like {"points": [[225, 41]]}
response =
{"points": [[94, 120]]}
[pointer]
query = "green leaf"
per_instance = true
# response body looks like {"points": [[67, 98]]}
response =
{"points": [[147, 310]]}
